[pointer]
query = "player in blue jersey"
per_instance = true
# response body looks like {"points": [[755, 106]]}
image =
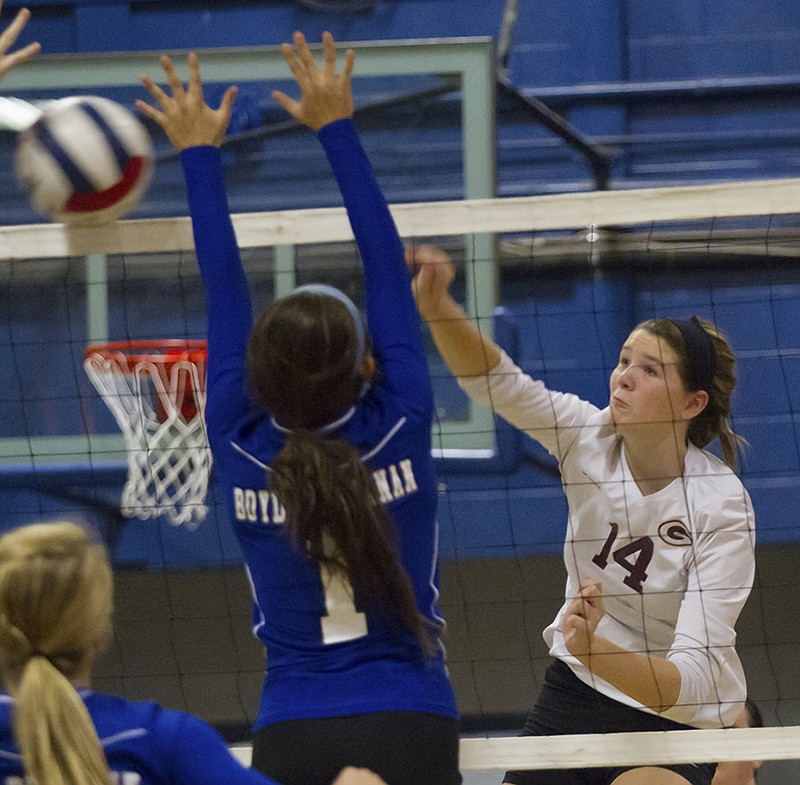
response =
{"points": [[8, 38], [56, 598], [321, 435]]}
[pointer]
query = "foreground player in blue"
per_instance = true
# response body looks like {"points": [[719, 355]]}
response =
{"points": [[321, 435], [56, 599]]}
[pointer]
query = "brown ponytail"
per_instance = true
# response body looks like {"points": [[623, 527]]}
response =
{"points": [[714, 421], [302, 365], [334, 509]]}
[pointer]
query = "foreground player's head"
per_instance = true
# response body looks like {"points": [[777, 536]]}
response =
{"points": [[691, 380], [308, 357], [56, 595]]}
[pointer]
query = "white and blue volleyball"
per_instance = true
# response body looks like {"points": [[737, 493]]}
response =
{"points": [[86, 160]]}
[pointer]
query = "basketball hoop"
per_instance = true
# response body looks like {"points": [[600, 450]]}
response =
{"points": [[156, 391]]}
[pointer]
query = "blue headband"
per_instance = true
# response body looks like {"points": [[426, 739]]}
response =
{"points": [[700, 353], [358, 322]]}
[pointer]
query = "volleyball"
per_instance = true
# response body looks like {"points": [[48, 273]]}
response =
{"points": [[86, 160]]}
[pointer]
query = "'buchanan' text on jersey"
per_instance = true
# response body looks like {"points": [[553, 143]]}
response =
{"points": [[263, 506]]}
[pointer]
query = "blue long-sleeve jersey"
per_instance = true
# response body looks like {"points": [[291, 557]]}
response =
{"points": [[144, 744], [327, 655]]}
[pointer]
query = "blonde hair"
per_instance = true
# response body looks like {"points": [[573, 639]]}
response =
{"points": [[56, 590]]}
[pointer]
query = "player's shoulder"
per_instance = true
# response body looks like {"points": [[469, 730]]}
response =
{"points": [[708, 471], [382, 417], [715, 492], [114, 715]]}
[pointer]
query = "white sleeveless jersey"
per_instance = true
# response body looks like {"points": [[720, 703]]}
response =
{"points": [[676, 566]]}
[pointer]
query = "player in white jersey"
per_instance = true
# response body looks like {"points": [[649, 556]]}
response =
{"points": [[660, 537], [8, 38], [56, 596]]}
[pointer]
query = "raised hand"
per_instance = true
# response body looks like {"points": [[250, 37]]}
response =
{"points": [[9, 37], [186, 118], [433, 273], [582, 616], [325, 95]]}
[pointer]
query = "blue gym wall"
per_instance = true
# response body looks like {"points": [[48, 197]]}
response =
{"points": [[679, 91]]}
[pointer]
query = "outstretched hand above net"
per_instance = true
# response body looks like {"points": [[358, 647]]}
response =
{"points": [[325, 95], [186, 118]]}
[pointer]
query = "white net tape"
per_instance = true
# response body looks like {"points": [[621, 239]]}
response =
{"points": [[165, 434], [421, 219], [656, 748]]}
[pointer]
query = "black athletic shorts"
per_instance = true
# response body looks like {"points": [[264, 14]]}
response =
{"points": [[404, 747], [566, 705]]}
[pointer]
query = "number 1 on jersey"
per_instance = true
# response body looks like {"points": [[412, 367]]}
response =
{"points": [[342, 621]]}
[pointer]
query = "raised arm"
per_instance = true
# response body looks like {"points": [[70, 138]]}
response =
{"points": [[9, 37], [465, 350], [326, 106], [196, 131]]}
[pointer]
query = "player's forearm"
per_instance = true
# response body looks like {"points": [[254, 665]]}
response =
{"points": [[653, 681], [227, 293], [214, 237], [462, 346], [372, 223], [391, 313]]}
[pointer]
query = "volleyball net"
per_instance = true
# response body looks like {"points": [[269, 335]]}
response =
{"points": [[572, 275]]}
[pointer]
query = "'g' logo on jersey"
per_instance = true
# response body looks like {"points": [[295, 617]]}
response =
{"points": [[675, 533]]}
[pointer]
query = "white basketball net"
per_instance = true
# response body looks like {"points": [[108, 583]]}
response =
{"points": [[169, 460]]}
